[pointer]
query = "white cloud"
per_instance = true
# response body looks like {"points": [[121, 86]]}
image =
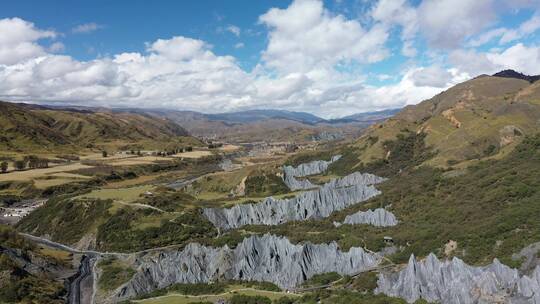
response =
{"points": [[86, 28], [508, 35], [56, 47], [517, 57], [399, 12], [305, 36], [447, 23], [178, 48], [18, 40], [433, 76], [234, 30], [526, 28], [239, 45]]}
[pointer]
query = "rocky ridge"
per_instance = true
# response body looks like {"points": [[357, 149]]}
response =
{"points": [[266, 258], [335, 195], [379, 217], [453, 281], [315, 167]]}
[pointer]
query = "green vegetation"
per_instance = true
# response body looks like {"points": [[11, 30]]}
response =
{"points": [[65, 220], [407, 151], [347, 297], [114, 274], [308, 156], [16, 284], [264, 184], [123, 232], [169, 200], [365, 282], [188, 289], [433, 209], [215, 288], [14, 191], [322, 279]]}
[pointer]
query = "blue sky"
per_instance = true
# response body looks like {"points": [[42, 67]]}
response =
{"points": [[331, 58]]}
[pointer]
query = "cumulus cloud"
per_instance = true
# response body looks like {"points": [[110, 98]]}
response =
{"points": [[305, 35], [86, 28], [447, 23], [433, 76], [525, 59], [18, 40]]}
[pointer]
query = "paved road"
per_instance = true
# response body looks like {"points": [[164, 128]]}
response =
{"points": [[77, 293], [56, 245]]}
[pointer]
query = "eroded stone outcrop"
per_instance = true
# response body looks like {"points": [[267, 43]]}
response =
{"points": [[378, 217], [315, 167], [258, 258], [336, 195], [453, 281]]}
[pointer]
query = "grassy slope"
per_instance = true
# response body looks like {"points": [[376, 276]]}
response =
{"points": [[483, 106], [31, 129]]}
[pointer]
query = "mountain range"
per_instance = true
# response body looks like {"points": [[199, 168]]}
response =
{"points": [[31, 127]]}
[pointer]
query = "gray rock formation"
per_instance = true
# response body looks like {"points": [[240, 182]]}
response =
{"points": [[311, 168], [297, 184], [456, 282], [378, 217], [258, 258], [530, 257], [333, 196], [355, 178], [315, 167]]}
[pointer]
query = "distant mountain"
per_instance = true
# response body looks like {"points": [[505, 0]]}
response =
{"points": [[258, 125], [517, 75], [258, 115], [368, 117], [79, 125], [25, 128], [482, 117]]}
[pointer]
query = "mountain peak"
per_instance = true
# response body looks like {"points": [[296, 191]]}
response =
{"points": [[518, 75]]}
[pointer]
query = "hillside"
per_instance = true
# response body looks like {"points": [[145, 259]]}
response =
{"points": [[484, 117], [29, 128], [268, 125]]}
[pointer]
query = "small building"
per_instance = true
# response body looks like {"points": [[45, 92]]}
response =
{"points": [[388, 240]]}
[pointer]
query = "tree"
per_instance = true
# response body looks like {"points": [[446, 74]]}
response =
{"points": [[4, 166], [32, 161], [104, 153], [19, 164], [139, 153]]}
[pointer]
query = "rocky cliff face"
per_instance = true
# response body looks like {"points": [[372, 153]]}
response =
{"points": [[355, 178], [336, 195], [315, 167], [456, 282], [259, 258], [378, 217]]}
